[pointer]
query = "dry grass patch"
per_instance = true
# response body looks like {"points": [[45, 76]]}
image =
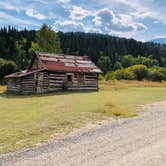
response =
{"points": [[124, 84], [111, 109], [2, 88], [123, 113]]}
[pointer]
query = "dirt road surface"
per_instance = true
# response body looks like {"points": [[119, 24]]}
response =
{"points": [[139, 141]]}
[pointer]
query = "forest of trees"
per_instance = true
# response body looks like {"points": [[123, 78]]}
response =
{"points": [[98, 45], [108, 52]]}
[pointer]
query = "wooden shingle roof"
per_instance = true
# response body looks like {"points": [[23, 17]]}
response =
{"points": [[61, 63], [67, 63], [23, 73]]}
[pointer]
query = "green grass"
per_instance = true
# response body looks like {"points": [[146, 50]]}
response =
{"points": [[28, 120]]}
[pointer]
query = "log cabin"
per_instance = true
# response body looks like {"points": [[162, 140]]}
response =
{"points": [[55, 72]]}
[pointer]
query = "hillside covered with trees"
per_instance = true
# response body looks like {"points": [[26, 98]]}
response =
{"points": [[109, 53]]}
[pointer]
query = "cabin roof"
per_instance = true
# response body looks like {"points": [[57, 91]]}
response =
{"points": [[61, 63], [67, 63], [23, 73]]}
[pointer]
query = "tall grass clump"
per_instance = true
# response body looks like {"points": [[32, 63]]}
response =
{"points": [[2, 88], [110, 108]]}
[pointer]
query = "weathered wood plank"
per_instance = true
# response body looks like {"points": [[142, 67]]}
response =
{"points": [[54, 89], [56, 81], [28, 88], [55, 85], [56, 75]]}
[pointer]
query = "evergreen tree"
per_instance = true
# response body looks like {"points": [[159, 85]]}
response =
{"points": [[104, 63], [48, 40]]}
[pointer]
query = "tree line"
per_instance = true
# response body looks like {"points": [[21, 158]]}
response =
{"points": [[113, 48], [109, 53]]}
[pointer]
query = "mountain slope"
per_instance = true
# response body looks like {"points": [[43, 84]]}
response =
{"points": [[159, 40]]}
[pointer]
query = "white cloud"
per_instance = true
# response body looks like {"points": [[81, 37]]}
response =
{"points": [[74, 26], [101, 21], [104, 16], [141, 15], [106, 19], [92, 29], [128, 20], [68, 25], [9, 6], [160, 36], [35, 14], [78, 13], [63, 1], [122, 34], [146, 8]]}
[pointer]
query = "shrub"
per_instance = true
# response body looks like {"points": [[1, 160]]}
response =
{"points": [[128, 60], [109, 76], [155, 75], [123, 74], [101, 77], [6, 67], [149, 62], [104, 63], [117, 66], [161, 70], [140, 71]]}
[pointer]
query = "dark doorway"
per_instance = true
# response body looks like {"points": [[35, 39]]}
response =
{"points": [[70, 78]]}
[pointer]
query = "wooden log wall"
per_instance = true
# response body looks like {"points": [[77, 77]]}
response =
{"points": [[90, 82], [56, 81], [52, 81], [28, 84], [13, 85], [45, 82]]}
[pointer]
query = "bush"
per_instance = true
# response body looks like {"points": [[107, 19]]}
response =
{"points": [[162, 70], [101, 77], [104, 63], [6, 67], [109, 76], [123, 74], [128, 60], [140, 71], [155, 75], [117, 66], [149, 62]]}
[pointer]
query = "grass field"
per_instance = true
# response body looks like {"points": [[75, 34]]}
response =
{"points": [[28, 120]]}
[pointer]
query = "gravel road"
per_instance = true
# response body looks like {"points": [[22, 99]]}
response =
{"points": [[139, 141]]}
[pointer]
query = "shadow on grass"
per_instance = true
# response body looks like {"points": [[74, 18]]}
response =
{"points": [[17, 95]]}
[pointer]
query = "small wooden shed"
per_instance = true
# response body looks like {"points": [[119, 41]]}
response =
{"points": [[55, 72]]}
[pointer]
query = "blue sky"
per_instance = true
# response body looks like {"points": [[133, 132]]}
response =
{"points": [[138, 19]]}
